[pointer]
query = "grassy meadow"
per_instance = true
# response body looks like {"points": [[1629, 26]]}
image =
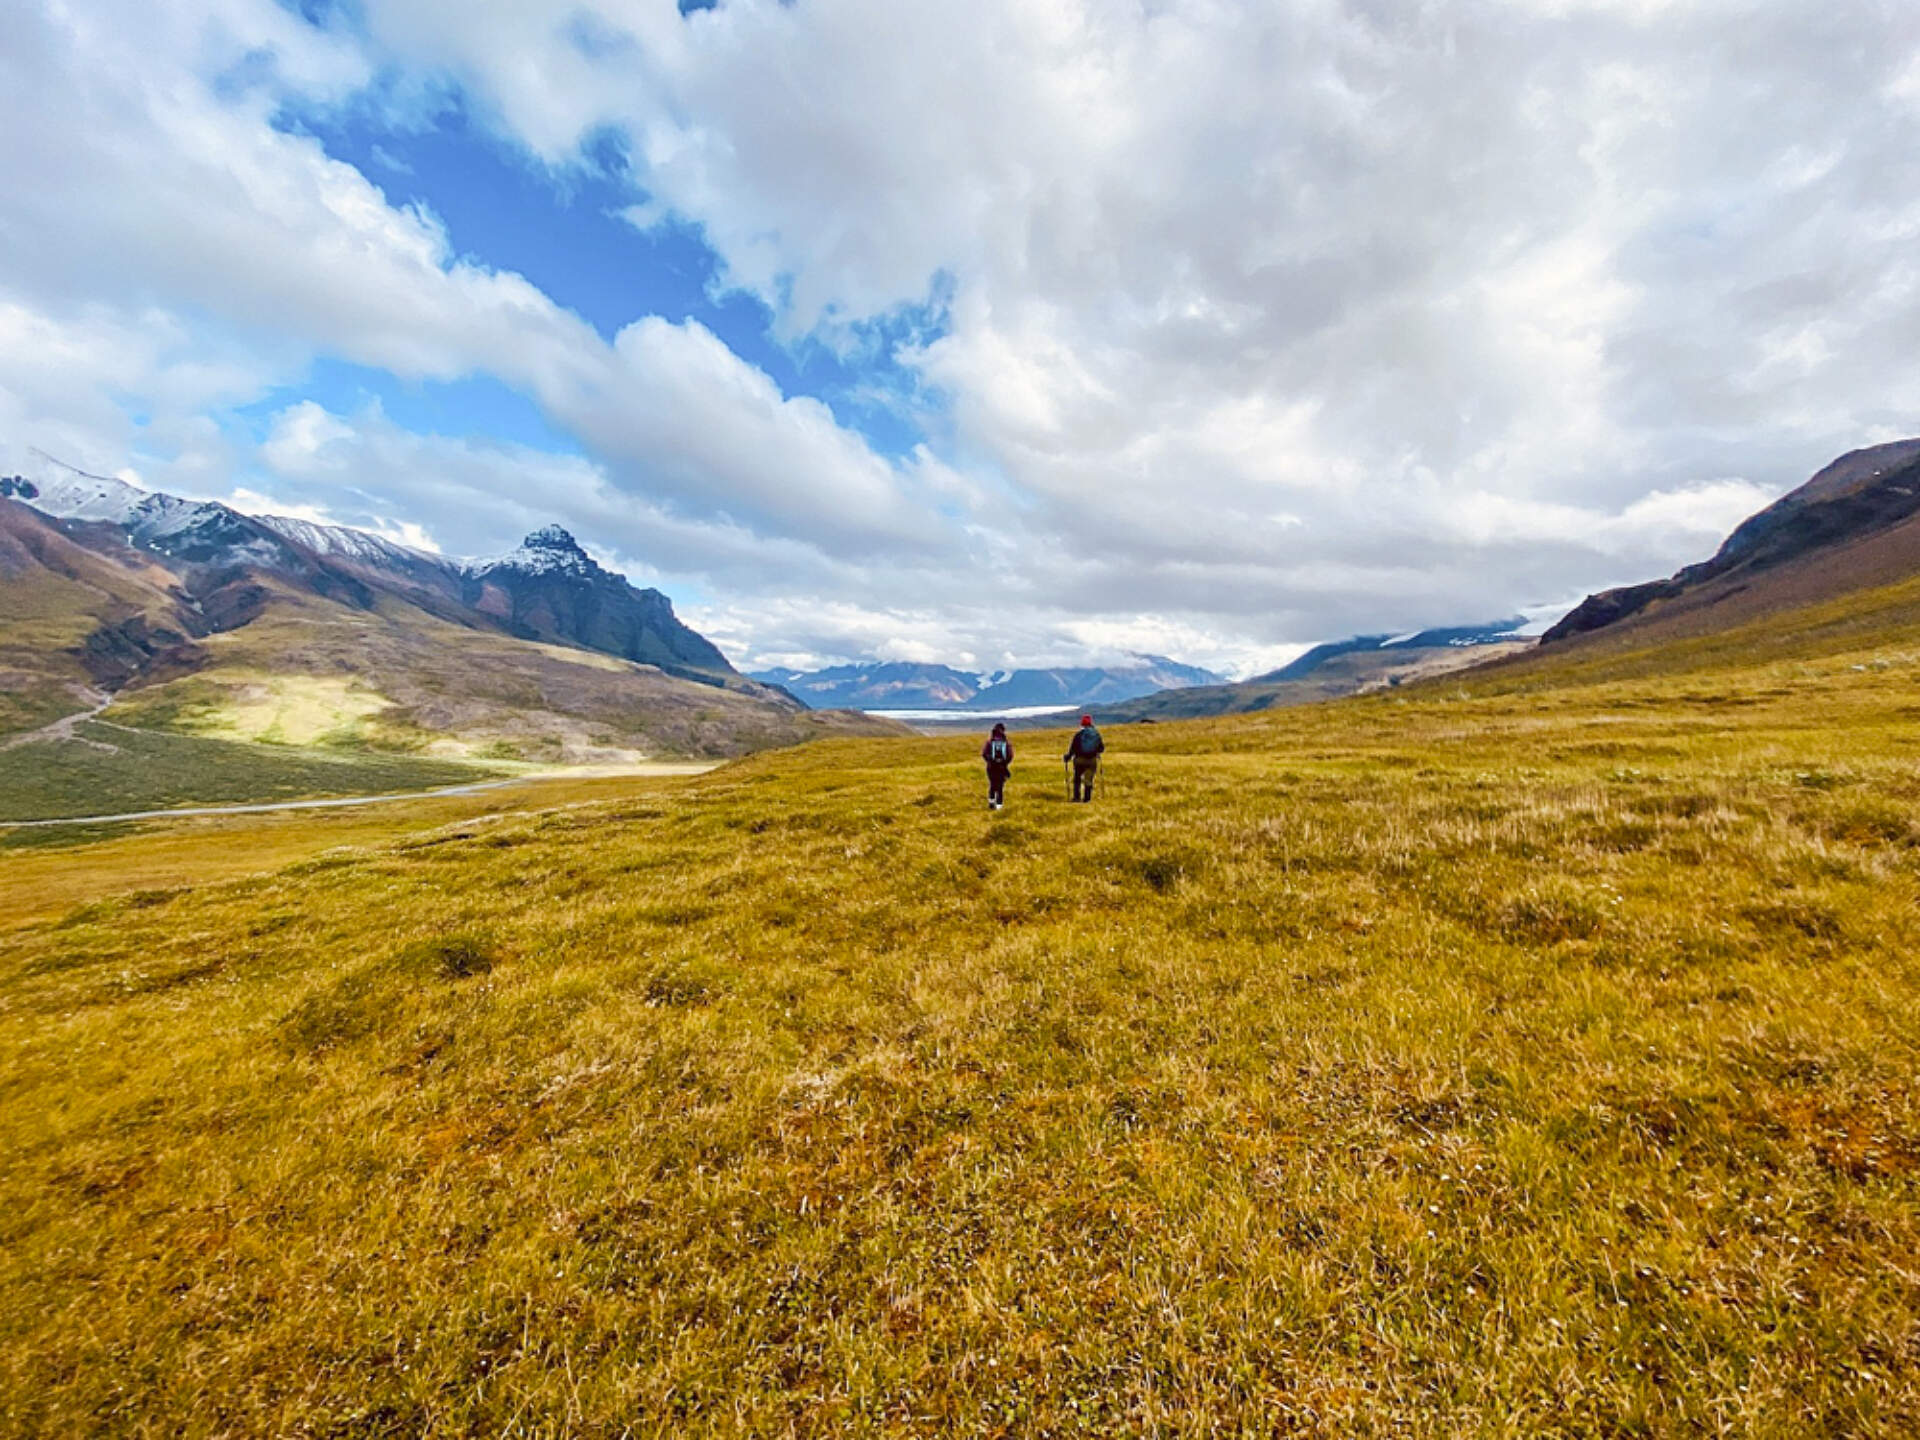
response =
{"points": [[1528, 1059], [115, 770], [47, 871]]}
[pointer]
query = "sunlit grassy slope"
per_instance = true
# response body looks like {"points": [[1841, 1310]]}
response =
{"points": [[1535, 1061], [394, 679]]}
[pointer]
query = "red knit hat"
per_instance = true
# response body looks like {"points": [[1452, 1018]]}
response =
{"points": [[1086, 719]]}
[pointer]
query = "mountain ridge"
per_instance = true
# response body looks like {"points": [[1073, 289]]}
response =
{"points": [[1865, 492], [1439, 637], [1331, 671], [547, 588], [286, 630]]}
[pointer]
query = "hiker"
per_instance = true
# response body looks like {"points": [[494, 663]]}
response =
{"points": [[998, 753], [1084, 751]]}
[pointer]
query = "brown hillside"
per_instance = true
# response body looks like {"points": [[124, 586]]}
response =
{"points": [[1871, 581], [74, 621], [251, 653], [392, 677], [1862, 495]]}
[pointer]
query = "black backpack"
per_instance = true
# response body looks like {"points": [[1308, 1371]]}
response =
{"points": [[999, 752]]}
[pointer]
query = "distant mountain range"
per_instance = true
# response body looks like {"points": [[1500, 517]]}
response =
{"points": [[1157, 688], [900, 685], [193, 617], [1354, 666], [1456, 637]]}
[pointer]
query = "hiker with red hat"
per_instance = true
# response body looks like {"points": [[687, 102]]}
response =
{"points": [[998, 753], [1084, 751]]}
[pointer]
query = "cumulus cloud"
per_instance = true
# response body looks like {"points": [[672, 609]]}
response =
{"points": [[184, 219], [1254, 324], [1372, 295], [463, 496], [475, 497]]}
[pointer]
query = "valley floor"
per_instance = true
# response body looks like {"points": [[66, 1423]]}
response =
{"points": [[91, 767], [1448, 1063]]}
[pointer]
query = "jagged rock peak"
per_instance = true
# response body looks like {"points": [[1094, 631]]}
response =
{"points": [[552, 537], [549, 550]]}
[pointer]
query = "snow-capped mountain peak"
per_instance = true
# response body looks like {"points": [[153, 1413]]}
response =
{"points": [[205, 531], [551, 537], [73, 494], [202, 530], [189, 530], [546, 551]]}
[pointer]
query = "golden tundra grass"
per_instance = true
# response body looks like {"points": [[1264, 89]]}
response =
{"points": [[44, 872], [1523, 1064]]}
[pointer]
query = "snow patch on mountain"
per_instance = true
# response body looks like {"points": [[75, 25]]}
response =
{"points": [[198, 529], [70, 494], [346, 543], [193, 530], [549, 550]]}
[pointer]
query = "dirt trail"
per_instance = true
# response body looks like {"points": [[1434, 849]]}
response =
{"points": [[63, 728]]}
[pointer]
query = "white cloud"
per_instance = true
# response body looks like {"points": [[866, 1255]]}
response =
{"points": [[1387, 299], [177, 211], [65, 376], [1659, 523], [1267, 323]]}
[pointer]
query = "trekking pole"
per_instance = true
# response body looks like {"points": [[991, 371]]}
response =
{"points": [[1066, 773]]}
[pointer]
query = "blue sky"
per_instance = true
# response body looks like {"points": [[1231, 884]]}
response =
{"points": [[992, 333], [563, 228]]}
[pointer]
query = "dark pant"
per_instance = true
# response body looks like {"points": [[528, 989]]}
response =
{"points": [[997, 783], [1084, 767]]}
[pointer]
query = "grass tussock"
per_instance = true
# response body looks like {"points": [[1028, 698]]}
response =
{"points": [[1504, 1064]]}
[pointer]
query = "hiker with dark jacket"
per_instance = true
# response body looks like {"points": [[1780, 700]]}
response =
{"points": [[998, 753], [1084, 751]]}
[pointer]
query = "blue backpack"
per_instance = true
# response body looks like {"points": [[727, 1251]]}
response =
{"points": [[1088, 741], [999, 752]]}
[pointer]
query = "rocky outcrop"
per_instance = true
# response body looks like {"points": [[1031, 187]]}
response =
{"points": [[550, 589], [1609, 607], [122, 649]]}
